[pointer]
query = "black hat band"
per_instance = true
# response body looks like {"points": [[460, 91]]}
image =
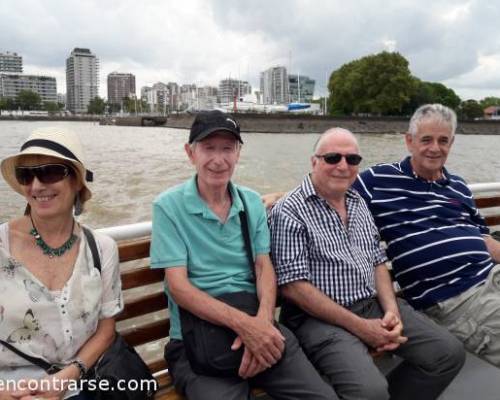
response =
{"points": [[58, 148]]}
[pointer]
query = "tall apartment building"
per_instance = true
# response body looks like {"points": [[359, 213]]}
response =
{"points": [[301, 88], [156, 96], [120, 85], [11, 84], [274, 85], [229, 88], [82, 79], [11, 62], [207, 98], [187, 97], [173, 96]]}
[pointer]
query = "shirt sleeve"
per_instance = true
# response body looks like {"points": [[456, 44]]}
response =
{"points": [[478, 219], [168, 249], [289, 251], [262, 239], [112, 299]]}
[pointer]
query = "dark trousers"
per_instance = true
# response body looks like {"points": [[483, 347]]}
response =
{"points": [[431, 358], [292, 378]]}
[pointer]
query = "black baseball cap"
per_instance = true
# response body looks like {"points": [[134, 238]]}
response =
{"points": [[208, 122]]}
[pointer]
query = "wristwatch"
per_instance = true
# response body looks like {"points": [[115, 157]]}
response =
{"points": [[81, 367]]}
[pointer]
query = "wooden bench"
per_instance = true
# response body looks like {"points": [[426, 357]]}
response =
{"points": [[145, 322]]}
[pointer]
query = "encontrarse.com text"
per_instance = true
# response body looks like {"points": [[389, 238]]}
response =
{"points": [[46, 384]]}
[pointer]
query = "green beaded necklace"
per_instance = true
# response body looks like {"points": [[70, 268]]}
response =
{"points": [[51, 251]]}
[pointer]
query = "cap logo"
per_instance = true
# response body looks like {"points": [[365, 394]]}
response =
{"points": [[234, 123]]}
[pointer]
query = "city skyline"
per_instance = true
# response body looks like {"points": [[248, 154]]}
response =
{"points": [[203, 42]]}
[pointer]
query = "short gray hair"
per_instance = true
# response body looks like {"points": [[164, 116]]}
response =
{"points": [[436, 112]]}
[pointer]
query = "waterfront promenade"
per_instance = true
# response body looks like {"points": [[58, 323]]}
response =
{"points": [[277, 123]]}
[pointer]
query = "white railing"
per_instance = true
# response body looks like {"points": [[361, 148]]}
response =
{"points": [[142, 229]]}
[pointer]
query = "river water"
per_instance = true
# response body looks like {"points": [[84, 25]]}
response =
{"points": [[132, 165]]}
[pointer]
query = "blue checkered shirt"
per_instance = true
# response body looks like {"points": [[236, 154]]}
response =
{"points": [[310, 242]]}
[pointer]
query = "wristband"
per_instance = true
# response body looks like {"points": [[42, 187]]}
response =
{"points": [[81, 367]]}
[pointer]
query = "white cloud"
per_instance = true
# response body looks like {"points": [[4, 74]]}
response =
{"points": [[196, 41]]}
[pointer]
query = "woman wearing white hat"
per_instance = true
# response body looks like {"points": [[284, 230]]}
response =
{"points": [[54, 305]]}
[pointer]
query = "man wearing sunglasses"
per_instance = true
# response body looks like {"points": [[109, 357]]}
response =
{"points": [[440, 248], [338, 295]]}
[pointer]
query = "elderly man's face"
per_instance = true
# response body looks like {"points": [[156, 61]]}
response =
{"points": [[333, 180], [215, 159], [429, 148]]}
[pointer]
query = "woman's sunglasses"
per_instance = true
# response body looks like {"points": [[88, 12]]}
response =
{"points": [[47, 173], [334, 158]]}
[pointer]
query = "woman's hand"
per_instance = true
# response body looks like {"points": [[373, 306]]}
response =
{"points": [[7, 396], [51, 387]]}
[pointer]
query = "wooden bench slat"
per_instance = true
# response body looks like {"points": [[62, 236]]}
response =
{"points": [[134, 250], [143, 305], [486, 202], [157, 365], [492, 220], [137, 335], [140, 277]]}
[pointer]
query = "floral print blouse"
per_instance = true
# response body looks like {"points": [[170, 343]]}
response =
{"points": [[54, 325]]}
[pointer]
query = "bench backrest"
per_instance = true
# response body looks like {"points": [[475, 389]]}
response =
{"points": [[145, 318]]}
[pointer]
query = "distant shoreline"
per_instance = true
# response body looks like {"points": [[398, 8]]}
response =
{"points": [[279, 123]]}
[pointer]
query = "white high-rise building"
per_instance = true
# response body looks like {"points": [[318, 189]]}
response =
{"points": [[82, 79], [231, 88], [12, 84], [274, 86], [11, 62]]}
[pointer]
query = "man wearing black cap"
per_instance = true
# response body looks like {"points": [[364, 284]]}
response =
{"points": [[212, 239]]}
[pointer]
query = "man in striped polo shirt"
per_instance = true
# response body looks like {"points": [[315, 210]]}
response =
{"points": [[338, 295], [441, 252]]}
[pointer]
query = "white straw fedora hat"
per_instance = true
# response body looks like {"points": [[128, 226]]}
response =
{"points": [[54, 142]]}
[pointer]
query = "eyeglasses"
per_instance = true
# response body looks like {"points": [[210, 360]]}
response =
{"points": [[47, 173], [334, 158]]}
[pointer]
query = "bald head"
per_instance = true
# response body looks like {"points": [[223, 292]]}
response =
{"points": [[335, 135]]}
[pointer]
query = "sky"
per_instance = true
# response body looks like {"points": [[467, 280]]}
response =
{"points": [[453, 42]]}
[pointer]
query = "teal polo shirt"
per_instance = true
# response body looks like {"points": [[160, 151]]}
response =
{"points": [[187, 233]]}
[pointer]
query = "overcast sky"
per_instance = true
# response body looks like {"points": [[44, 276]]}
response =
{"points": [[453, 42]]}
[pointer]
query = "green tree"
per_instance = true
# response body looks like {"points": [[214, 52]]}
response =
{"points": [[378, 84], [3, 104], [443, 95], [96, 106], [489, 101], [28, 100], [470, 109], [52, 107]]}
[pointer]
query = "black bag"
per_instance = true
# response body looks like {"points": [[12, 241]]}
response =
{"points": [[120, 361], [208, 346]]}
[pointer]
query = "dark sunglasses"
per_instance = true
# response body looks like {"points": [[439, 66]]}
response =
{"points": [[334, 158], [47, 173]]}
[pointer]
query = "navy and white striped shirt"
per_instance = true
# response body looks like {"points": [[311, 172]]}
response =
{"points": [[433, 231], [310, 242]]}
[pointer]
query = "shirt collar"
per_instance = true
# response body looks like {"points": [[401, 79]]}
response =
{"points": [[196, 205], [407, 169]]}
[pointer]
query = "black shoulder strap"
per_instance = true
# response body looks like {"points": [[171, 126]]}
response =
{"points": [[93, 247], [33, 360], [246, 234]]}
